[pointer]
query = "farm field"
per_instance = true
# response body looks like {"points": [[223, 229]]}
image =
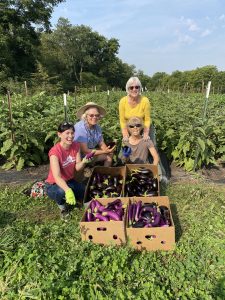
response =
{"points": [[42, 257], [185, 126]]}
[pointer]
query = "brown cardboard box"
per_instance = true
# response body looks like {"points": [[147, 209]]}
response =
{"points": [[106, 233], [155, 238], [114, 171], [153, 168]]}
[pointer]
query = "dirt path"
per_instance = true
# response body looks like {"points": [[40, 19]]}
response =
{"points": [[29, 175]]}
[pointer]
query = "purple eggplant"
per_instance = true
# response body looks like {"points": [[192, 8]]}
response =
{"points": [[138, 224], [112, 215], [89, 216], [155, 184], [130, 213], [138, 209], [100, 217], [90, 155], [156, 220]]}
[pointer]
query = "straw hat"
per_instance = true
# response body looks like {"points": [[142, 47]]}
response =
{"points": [[82, 110]]}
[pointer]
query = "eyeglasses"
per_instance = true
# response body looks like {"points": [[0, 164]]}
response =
{"points": [[136, 87], [135, 125], [93, 115]]}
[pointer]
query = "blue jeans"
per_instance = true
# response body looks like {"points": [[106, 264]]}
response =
{"points": [[56, 193]]}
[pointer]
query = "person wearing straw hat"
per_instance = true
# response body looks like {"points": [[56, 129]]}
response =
{"points": [[89, 133]]}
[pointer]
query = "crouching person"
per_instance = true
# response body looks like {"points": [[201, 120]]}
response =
{"points": [[137, 149], [65, 160]]}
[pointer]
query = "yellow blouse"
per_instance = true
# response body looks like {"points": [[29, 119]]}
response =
{"points": [[141, 110]]}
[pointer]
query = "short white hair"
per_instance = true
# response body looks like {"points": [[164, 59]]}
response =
{"points": [[131, 81]]}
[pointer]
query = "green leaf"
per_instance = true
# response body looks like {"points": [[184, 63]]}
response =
{"points": [[9, 165], [6, 146], [189, 164], [49, 135], [20, 164], [201, 143]]}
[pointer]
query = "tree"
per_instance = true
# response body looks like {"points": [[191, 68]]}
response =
{"points": [[20, 25], [81, 55]]}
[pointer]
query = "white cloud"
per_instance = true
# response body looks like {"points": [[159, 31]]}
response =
{"points": [[222, 17], [206, 32], [190, 24]]}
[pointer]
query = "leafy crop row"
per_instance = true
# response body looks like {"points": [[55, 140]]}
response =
{"points": [[182, 132]]}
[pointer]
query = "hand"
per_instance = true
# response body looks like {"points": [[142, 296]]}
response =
{"points": [[146, 137], [125, 139], [88, 157], [110, 150], [126, 151], [70, 198]]}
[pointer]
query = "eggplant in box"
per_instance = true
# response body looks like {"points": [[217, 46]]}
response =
{"points": [[141, 180], [105, 182], [149, 224], [103, 221]]}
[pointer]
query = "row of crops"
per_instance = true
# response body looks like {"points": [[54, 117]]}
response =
{"points": [[182, 132]]}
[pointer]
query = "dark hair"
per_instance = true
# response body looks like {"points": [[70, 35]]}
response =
{"points": [[65, 126]]}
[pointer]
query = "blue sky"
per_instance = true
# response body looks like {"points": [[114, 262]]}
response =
{"points": [[156, 35]]}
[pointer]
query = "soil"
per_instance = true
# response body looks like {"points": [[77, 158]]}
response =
{"points": [[215, 174]]}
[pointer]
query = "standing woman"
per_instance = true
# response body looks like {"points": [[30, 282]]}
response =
{"points": [[134, 105], [65, 160], [89, 133]]}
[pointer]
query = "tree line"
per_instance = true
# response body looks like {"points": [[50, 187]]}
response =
{"points": [[71, 57]]}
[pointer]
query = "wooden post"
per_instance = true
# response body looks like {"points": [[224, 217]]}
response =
{"points": [[75, 96], [25, 85], [10, 116]]}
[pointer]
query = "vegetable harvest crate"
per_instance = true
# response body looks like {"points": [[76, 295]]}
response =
{"points": [[153, 238], [141, 171], [101, 187], [105, 232]]}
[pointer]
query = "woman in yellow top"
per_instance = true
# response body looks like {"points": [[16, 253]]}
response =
{"points": [[134, 105]]}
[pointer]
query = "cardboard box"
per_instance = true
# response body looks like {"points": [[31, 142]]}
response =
{"points": [[114, 171], [154, 238], [106, 233], [153, 168]]}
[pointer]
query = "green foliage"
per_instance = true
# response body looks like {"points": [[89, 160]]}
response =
{"points": [[44, 258], [180, 128]]}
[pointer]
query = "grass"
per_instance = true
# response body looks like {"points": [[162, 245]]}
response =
{"points": [[42, 257]]}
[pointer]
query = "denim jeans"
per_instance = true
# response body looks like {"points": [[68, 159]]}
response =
{"points": [[56, 193]]}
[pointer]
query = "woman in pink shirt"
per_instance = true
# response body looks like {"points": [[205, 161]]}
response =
{"points": [[64, 161]]}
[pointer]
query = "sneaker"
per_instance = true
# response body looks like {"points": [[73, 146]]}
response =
{"points": [[65, 214]]}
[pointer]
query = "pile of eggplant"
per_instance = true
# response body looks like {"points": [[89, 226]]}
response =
{"points": [[141, 183], [113, 211], [105, 186], [142, 215]]}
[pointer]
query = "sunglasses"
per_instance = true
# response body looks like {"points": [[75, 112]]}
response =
{"points": [[135, 125], [68, 124], [136, 87], [93, 115]]}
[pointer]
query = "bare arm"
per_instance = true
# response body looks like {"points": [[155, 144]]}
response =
{"points": [[155, 155], [79, 163], [103, 149]]}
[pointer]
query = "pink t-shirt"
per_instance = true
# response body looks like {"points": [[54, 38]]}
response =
{"points": [[67, 161]]}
